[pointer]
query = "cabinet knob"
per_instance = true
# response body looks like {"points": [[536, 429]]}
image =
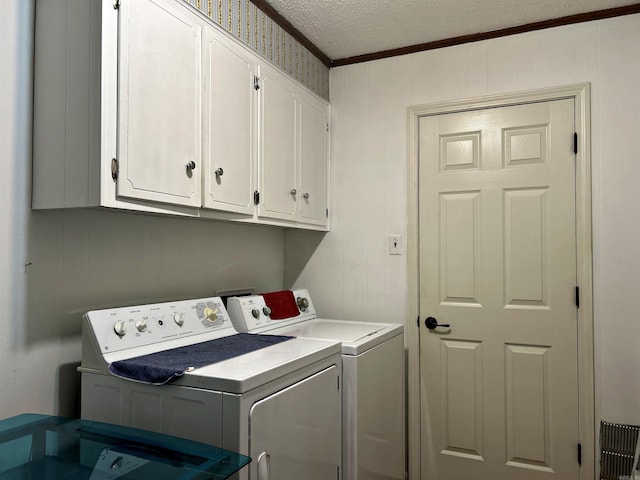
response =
{"points": [[191, 165], [219, 172], [293, 192], [306, 196]]}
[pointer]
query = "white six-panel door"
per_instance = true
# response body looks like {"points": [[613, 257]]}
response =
{"points": [[499, 387]]}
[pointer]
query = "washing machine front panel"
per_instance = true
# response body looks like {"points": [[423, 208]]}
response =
{"points": [[295, 433], [379, 438]]}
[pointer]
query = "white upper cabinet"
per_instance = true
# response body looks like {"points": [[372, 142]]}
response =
{"points": [[278, 146], [312, 173], [160, 120], [293, 161], [152, 107], [231, 123]]}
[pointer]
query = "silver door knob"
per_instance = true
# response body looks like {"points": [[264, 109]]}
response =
{"points": [[306, 196], [191, 165], [219, 172], [293, 192]]}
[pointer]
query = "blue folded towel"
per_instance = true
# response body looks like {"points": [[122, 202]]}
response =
{"points": [[160, 367]]}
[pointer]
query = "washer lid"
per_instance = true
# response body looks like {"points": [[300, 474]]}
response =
{"points": [[356, 337]]}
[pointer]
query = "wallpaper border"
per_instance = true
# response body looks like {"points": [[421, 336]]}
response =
{"points": [[258, 31]]}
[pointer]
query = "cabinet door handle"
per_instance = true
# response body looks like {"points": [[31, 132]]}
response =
{"points": [[306, 196], [219, 172], [293, 192], [191, 165]]}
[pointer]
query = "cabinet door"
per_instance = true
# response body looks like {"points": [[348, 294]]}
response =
{"points": [[278, 193], [312, 196], [160, 121], [230, 108]]}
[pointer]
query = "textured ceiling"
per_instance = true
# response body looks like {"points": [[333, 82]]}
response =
{"points": [[346, 28]]}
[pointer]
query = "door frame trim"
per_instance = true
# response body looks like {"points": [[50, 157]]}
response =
{"points": [[581, 93]]}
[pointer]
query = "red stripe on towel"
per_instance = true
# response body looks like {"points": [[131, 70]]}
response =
{"points": [[282, 304]]}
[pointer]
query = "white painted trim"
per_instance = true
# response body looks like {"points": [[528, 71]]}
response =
{"points": [[412, 340], [108, 102], [581, 94]]}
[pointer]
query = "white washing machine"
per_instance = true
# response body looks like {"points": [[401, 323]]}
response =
{"points": [[280, 404], [373, 376]]}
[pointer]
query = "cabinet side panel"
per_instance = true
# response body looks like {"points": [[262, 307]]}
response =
{"points": [[82, 85], [49, 145], [96, 62], [66, 104]]}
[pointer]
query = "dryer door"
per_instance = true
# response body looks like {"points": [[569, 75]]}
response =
{"points": [[296, 433]]}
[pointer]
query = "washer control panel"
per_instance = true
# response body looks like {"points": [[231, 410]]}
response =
{"points": [[251, 313], [141, 325]]}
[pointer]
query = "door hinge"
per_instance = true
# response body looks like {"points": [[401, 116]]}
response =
{"points": [[256, 82], [575, 143], [338, 378], [116, 4], [256, 197], [579, 454], [577, 297], [327, 126], [418, 321], [115, 168], [337, 472], [327, 213]]}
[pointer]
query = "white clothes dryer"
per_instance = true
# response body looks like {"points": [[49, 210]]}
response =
{"points": [[373, 377], [280, 404]]}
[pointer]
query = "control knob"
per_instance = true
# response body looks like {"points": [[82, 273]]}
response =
{"points": [[178, 317], [256, 313], [211, 314], [266, 311], [303, 303], [120, 328], [141, 325]]}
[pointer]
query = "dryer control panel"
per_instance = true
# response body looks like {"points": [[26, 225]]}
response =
{"points": [[158, 324], [251, 313]]}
